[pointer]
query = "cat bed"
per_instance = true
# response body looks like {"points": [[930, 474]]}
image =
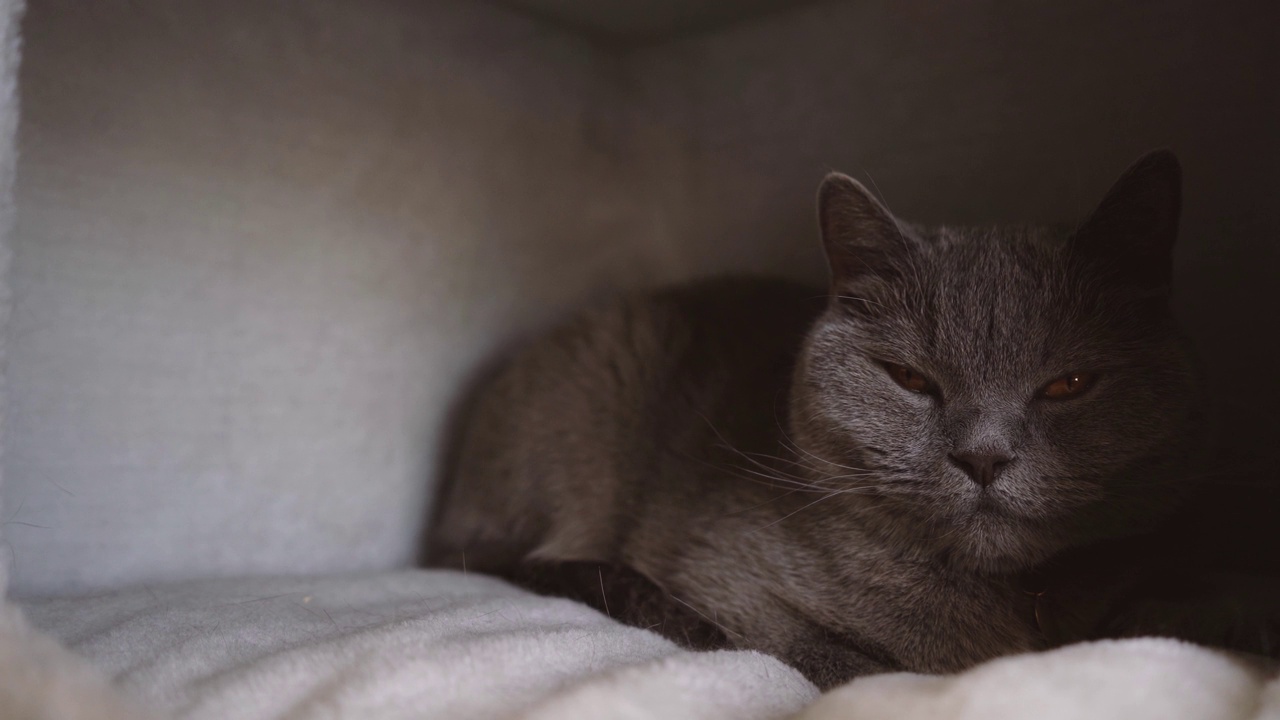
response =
{"points": [[260, 247], [448, 645], [420, 644]]}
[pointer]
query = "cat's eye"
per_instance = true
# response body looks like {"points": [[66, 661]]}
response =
{"points": [[1068, 386], [912, 380]]}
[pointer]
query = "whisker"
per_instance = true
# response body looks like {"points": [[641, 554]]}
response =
{"points": [[729, 446], [760, 478], [828, 496], [705, 617], [859, 299], [767, 467], [757, 506], [777, 482], [792, 445]]}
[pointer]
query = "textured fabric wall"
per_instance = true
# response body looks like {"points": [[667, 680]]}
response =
{"points": [[260, 245], [10, 12], [986, 111]]}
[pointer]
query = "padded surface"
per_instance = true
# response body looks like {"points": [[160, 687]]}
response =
{"points": [[261, 246], [447, 645], [399, 645]]}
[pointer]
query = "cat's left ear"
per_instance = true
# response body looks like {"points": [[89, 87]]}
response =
{"points": [[859, 233], [1132, 232]]}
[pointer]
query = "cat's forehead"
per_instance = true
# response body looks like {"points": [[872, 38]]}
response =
{"points": [[1011, 250], [1013, 273], [1000, 300]]}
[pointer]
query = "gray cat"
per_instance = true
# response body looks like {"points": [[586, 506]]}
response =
{"points": [[854, 480]]}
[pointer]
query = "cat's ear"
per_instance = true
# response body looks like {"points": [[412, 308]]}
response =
{"points": [[858, 232], [1132, 232]]}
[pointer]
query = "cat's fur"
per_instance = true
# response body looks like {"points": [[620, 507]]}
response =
{"points": [[733, 459]]}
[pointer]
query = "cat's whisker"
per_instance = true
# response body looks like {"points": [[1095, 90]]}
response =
{"points": [[802, 454], [776, 475], [776, 471], [776, 483], [848, 476], [784, 517], [704, 616], [757, 506], [787, 441], [798, 462], [729, 446], [822, 483], [858, 299], [828, 496], [768, 480], [780, 482]]}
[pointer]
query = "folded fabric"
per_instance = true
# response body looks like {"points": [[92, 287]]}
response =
{"points": [[39, 680], [446, 645], [1108, 680], [412, 644]]}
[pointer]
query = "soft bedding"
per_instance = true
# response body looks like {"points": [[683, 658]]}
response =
{"points": [[445, 645], [401, 645]]}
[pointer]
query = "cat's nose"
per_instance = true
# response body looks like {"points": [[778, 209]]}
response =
{"points": [[982, 467]]}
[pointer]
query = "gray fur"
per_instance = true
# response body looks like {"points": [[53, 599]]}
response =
{"points": [[740, 444]]}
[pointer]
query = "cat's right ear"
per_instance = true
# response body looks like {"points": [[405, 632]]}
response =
{"points": [[1133, 230], [858, 232]]}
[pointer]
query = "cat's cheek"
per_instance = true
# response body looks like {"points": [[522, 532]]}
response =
{"points": [[1075, 429], [1116, 424]]}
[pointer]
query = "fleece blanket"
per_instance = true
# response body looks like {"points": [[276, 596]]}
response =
{"points": [[444, 645]]}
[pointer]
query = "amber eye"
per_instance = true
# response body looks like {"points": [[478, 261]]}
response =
{"points": [[1067, 386], [912, 380]]}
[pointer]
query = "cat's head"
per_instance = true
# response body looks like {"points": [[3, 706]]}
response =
{"points": [[994, 395]]}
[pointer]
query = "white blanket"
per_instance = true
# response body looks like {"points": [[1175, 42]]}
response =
{"points": [[444, 645]]}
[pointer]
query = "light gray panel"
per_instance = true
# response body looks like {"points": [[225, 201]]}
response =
{"points": [[9, 51], [260, 246]]}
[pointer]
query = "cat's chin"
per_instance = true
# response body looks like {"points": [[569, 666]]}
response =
{"points": [[997, 563], [991, 542]]}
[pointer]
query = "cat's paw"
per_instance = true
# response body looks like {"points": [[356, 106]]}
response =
{"points": [[829, 660]]}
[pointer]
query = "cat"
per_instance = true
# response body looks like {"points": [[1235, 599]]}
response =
{"points": [[854, 479]]}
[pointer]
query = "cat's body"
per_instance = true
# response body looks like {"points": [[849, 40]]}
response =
{"points": [[854, 480], [677, 475]]}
